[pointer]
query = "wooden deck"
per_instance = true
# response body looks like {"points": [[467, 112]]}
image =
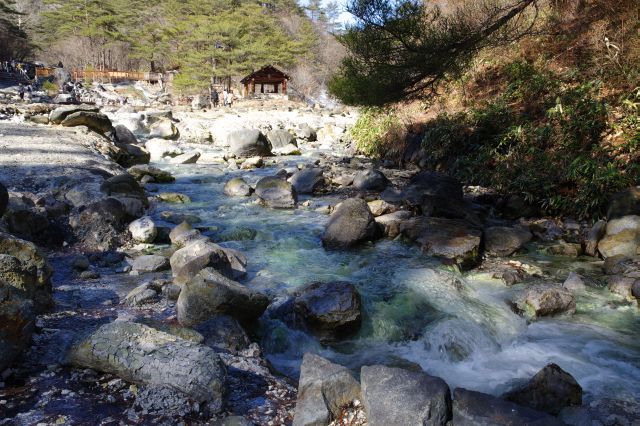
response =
{"points": [[105, 76]]}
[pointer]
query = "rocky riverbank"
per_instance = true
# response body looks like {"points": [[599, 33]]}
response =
{"points": [[183, 290]]}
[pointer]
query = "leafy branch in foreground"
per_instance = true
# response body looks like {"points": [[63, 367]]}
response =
{"points": [[401, 49]]}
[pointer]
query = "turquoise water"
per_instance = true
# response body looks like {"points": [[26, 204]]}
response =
{"points": [[415, 312]]}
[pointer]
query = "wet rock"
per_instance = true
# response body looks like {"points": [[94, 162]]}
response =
{"points": [[622, 237], [143, 230], [199, 254], [59, 114], [210, 293], [4, 199], [565, 249], [186, 158], [25, 268], [330, 310], [237, 187], [370, 180], [279, 138], [594, 236], [350, 224], [184, 234], [17, 322], [574, 282], [164, 129], [621, 285], [159, 176], [603, 412], [381, 207], [390, 223], [150, 263], [472, 408], [324, 388], [160, 148], [617, 264], [248, 143], [450, 239], [624, 203], [141, 354], [99, 227], [541, 300], [125, 136], [402, 397], [550, 390], [307, 180], [223, 333], [80, 263], [276, 193], [134, 155], [252, 163], [95, 121], [174, 197], [504, 241], [141, 295]]}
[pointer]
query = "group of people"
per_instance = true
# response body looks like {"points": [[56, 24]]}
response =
{"points": [[227, 98], [14, 66]]}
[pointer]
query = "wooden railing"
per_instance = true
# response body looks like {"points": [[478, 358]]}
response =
{"points": [[105, 76]]}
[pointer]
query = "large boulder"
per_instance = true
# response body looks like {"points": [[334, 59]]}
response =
{"points": [[128, 191], [100, 226], [237, 187], [248, 143], [17, 322], [25, 268], [96, 121], [390, 223], [306, 181], [164, 129], [160, 148], [330, 310], [210, 293], [143, 230], [183, 234], [4, 199], [324, 388], [472, 408], [144, 355], [186, 158], [158, 175], [622, 237], [132, 155], [276, 193], [28, 224], [223, 333], [540, 300], [57, 115], [451, 239], [504, 241], [550, 390], [349, 225], [124, 135], [394, 396], [150, 263], [201, 253], [370, 180], [594, 236], [280, 138]]}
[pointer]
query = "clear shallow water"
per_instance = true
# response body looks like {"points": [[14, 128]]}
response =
{"points": [[415, 312]]}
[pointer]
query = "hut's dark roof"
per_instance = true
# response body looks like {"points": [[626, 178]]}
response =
{"points": [[266, 74]]}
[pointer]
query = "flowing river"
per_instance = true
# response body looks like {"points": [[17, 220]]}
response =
{"points": [[416, 312]]}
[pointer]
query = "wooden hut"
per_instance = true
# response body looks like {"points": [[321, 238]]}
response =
{"points": [[266, 80]]}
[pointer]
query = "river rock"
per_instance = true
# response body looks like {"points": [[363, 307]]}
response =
{"points": [[472, 408], [125, 136], [141, 295], [550, 390], [4, 199], [57, 115], [606, 411], [540, 300], [174, 197], [289, 149], [390, 223], [624, 203], [184, 234], [370, 180], [252, 163], [504, 241], [134, 154], [574, 282], [237, 187], [280, 138], [622, 237], [160, 148], [27, 223], [197, 255], [100, 225], [144, 355], [96, 121], [25, 268], [593, 237], [143, 230], [324, 388], [330, 310], [621, 285], [17, 322], [306, 132], [125, 188], [164, 129], [158, 175], [307, 180], [150, 263], [350, 224], [186, 158], [381, 207], [276, 193], [248, 143], [223, 333], [210, 293], [451, 239], [394, 396]]}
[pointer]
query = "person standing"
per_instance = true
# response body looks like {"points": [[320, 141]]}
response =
{"points": [[225, 97], [230, 100], [21, 92]]}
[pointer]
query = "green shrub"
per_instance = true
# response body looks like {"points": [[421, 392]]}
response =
{"points": [[50, 87], [378, 131]]}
